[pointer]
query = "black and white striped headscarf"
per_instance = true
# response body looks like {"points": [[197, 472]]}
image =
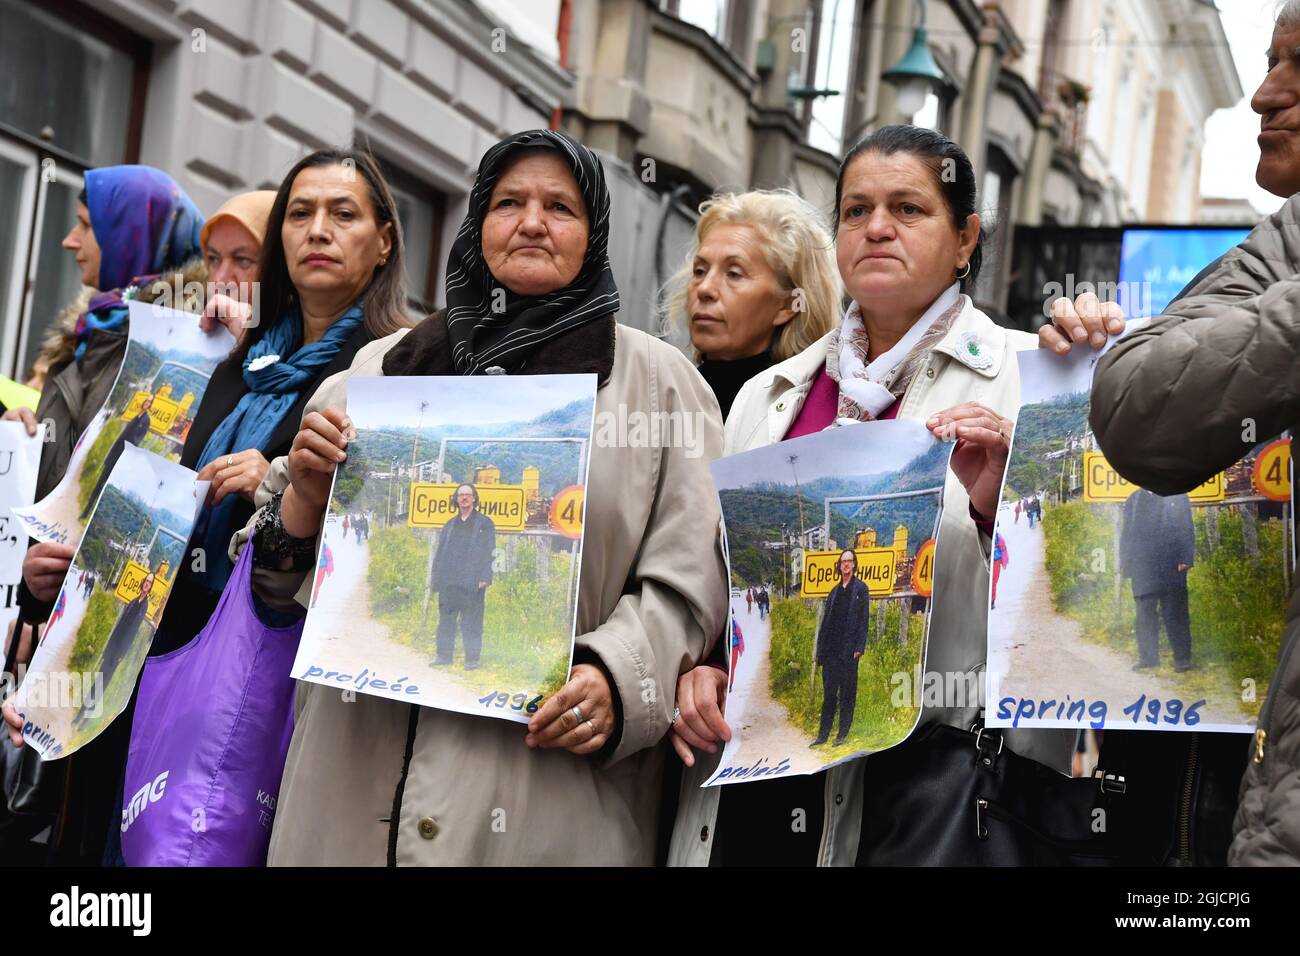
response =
{"points": [[481, 338]]}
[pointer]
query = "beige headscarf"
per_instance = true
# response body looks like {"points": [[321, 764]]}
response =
{"points": [[250, 210]]}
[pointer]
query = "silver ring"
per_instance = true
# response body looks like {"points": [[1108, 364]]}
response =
{"points": [[230, 461], [677, 714], [577, 713]]}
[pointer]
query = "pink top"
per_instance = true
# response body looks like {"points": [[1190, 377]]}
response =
{"points": [[819, 408]]}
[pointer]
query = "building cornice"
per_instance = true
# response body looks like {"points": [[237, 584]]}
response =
{"points": [[1021, 93], [532, 76], [722, 58]]}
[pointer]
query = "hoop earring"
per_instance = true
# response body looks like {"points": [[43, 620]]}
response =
{"points": [[966, 273]]}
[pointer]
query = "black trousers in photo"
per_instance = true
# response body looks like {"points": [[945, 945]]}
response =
{"points": [[839, 689], [465, 606], [1171, 606]]}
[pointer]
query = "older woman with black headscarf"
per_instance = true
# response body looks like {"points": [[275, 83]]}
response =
{"points": [[373, 781]]}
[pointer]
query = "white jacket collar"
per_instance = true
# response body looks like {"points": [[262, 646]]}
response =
{"points": [[974, 340], [799, 369]]}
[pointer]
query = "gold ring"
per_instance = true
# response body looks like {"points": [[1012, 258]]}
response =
{"points": [[230, 461], [593, 728]]}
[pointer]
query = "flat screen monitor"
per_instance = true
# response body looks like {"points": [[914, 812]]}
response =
{"points": [[1155, 264]]}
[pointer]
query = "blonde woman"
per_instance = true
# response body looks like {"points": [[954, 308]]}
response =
{"points": [[758, 287]]}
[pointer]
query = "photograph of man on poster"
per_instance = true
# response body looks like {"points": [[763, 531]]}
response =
{"points": [[133, 433], [841, 641], [462, 572], [1157, 546]]}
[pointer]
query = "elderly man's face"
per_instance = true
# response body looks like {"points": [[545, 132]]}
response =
{"points": [[1277, 101]]}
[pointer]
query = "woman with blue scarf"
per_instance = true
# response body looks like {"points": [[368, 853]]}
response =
{"points": [[332, 280]]}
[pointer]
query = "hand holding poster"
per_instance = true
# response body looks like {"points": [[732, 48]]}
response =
{"points": [[20, 456], [1115, 608], [159, 387], [830, 542], [448, 568], [83, 673]]}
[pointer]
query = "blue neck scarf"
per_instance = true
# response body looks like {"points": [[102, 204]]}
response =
{"points": [[276, 371]]}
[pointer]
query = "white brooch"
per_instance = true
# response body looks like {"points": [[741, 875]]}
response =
{"points": [[971, 350], [262, 361]]}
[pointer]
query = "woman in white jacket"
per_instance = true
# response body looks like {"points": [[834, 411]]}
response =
{"points": [[912, 345]]}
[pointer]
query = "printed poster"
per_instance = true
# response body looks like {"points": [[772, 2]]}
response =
{"points": [[830, 542], [1115, 608], [447, 574], [20, 458], [84, 671], [164, 373]]}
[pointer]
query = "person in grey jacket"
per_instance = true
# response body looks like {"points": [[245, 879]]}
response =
{"points": [[1192, 392], [1189, 394], [1185, 397], [1156, 547]]}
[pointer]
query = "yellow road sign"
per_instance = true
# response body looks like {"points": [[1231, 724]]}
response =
{"points": [[923, 569], [1271, 475], [431, 505], [876, 569], [1213, 490], [566, 511], [162, 413], [128, 587], [1103, 484]]}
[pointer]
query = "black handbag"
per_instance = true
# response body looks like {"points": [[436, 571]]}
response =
{"points": [[32, 787], [948, 797]]}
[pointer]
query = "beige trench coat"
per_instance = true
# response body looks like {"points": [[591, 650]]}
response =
{"points": [[652, 599]]}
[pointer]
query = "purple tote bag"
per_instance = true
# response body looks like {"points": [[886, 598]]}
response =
{"points": [[208, 742]]}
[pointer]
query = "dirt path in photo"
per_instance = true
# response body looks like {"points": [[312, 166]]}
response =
{"points": [[340, 635], [760, 725], [51, 660], [1043, 655]]}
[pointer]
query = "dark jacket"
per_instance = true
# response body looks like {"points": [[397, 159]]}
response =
{"points": [[1155, 537], [462, 562], [1170, 403], [837, 645]]}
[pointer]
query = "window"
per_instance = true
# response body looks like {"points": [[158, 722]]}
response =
{"points": [[709, 15], [830, 53], [420, 211], [994, 207], [71, 97], [74, 83], [935, 113]]}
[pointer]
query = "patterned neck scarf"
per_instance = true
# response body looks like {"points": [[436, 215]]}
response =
{"points": [[868, 388], [488, 324]]}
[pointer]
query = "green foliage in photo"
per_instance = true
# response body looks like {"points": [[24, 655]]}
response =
{"points": [[877, 722], [525, 631]]}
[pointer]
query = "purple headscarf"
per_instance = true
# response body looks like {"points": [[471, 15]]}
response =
{"points": [[144, 224]]}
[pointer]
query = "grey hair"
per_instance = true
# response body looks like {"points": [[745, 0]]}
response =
{"points": [[1288, 14]]}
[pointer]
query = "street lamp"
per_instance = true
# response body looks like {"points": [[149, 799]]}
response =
{"points": [[916, 74]]}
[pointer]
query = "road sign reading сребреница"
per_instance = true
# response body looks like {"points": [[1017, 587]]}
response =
{"points": [[432, 505], [876, 569], [1102, 483]]}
